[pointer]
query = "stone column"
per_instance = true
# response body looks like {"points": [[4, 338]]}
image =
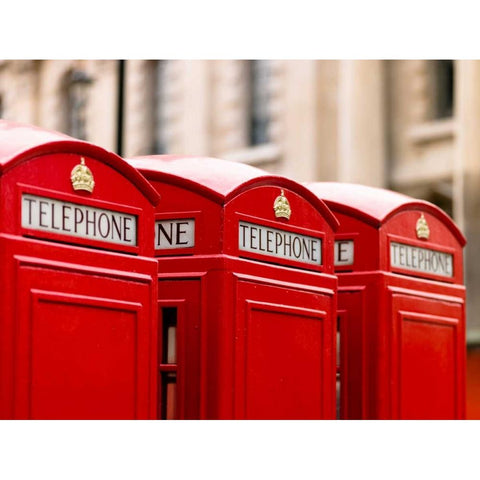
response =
{"points": [[196, 118], [467, 180], [138, 126], [301, 120], [361, 122], [102, 103]]}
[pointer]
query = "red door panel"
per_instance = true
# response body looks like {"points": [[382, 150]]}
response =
{"points": [[430, 355], [285, 358], [353, 387], [81, 338]]}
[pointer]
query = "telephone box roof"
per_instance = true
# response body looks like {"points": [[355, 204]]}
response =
{"points": [[376, 205], [20, 142], [220, 180]]}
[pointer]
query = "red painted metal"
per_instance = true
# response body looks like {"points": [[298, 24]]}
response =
{"points": [[255, 335], [78, 311], [402, 327]]}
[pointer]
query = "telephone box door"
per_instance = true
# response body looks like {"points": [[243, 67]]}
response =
{"points": [[284, 346], [81, 335], [429, 347]]}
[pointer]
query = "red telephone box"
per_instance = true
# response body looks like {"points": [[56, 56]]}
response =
{"points": [[401, 305], [247, 294], [78, 296]]}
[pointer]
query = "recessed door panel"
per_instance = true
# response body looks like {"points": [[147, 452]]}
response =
{"points": [[81, 337], [429, 357], [83, 357], [285, 359]]}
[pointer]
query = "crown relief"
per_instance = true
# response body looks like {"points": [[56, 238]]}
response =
{"points": [[281, 206], [423, 231], [82, 177]]}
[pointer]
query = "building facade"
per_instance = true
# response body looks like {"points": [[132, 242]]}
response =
{"points": [[408, 125]]}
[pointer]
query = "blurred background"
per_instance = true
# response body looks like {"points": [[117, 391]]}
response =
{"points": [[408, 125]]}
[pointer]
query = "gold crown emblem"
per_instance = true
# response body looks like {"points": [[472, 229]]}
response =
{"points": [[82, 178], [422, 228], [281, 207]]}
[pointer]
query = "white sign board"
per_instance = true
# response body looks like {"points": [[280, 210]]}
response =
{"points": [[277, 243], [343, 252], [419, 259], [75, 220], [175, 233]]}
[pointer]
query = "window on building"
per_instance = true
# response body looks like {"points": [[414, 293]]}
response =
{"points": [[168, 364], [444, 72], [160, 144], [259, 114], [76, 96], [441, 194]]}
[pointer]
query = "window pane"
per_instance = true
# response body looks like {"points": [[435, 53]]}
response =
{"points": [[171, 344], [169, 396], [259, 101], [444, 72], [77, 84], [169, 334]]}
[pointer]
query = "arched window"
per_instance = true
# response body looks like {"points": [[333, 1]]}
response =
{"points": [[259, 102], [76, 96]]}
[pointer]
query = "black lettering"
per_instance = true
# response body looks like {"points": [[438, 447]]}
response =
{"points": [[421, 258], [77, 219], [243, 227], [117, 227], [269, 240], [42, 212], [287, 244], [428, 255], [260, 231], [93, 222], [441, 262], [30, 201], [314, 251], [306, 247], [341, 250], [408, 253], [394, 252], [414, 258], [297, 252], [126, 228], [53, 218], [65, 217], [168, 236], [179, 232], [252, 237], [103, 216], [278, 241], [402, 254]]}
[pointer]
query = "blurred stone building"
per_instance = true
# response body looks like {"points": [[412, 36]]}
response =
{"points": [[409, 125]]}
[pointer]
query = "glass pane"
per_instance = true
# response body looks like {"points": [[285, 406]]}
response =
{"points": [[259, 101], [171, 401], [169, 396], [172, 344], [169, 334]]}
